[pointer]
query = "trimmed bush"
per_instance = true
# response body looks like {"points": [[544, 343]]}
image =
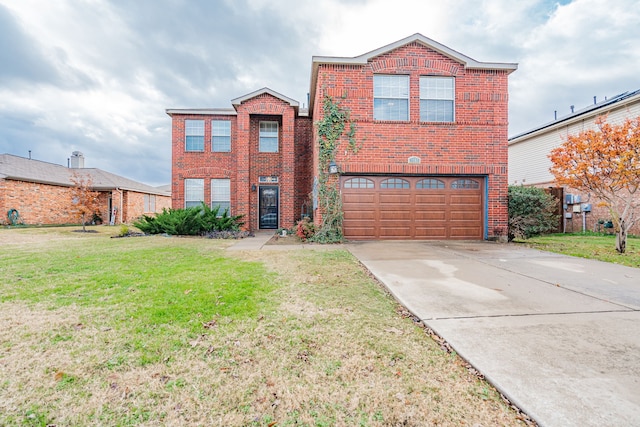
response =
{"points": [[194, 221], [532, 211]]}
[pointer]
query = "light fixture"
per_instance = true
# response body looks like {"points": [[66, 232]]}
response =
{"points": [[333, 168], [253, 187]]}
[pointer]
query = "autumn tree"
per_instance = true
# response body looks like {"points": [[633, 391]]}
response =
{"points": [[604, 162], [83, 198]]}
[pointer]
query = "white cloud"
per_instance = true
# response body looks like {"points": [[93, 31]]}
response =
{"points": [[97, 75]]}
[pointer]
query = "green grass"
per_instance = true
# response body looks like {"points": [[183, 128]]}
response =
{"points": [[177, 331], [589, 245]]}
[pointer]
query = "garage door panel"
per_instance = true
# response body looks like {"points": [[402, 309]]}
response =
{"points": [[395, 232], [465, 216], [465, 199], [359, 215], [387, 197], [430, 232], [413, 213], [431, 199], [358, 198]]}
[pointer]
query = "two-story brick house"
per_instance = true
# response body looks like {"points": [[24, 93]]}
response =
{"points": [[432, 131]]}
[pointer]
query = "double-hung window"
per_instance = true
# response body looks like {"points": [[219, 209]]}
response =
{"points": [[268, 137], [436, 99], [193, 192], [194, 135], [221, 195], [221, 135], [390, 97], [149, 203]]}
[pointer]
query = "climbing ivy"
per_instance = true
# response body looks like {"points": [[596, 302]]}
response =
{"points": [[334, 124]]}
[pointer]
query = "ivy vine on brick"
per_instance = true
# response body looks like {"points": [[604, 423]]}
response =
{"points": [[335, 125]]}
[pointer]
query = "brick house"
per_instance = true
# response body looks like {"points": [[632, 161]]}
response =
{"points": [[529, 163], [41, 192], [432, 130]]}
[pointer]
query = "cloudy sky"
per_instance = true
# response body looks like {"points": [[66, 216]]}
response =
{"points": [[97, 75]]}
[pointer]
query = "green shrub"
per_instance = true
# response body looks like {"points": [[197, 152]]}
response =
{"points": [[532, 211], [193, 221]]}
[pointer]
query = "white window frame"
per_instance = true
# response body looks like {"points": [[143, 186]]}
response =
{"points": [[437, 99], [193, 192], [221, 136], [268, 137], [194, 135], [221, 195], [391, 97]]}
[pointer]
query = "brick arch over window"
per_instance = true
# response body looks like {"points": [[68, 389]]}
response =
{"points": [[208, 171]]}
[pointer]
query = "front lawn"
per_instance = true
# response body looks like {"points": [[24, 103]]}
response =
{"points": [[151, 331], [588, 245]]}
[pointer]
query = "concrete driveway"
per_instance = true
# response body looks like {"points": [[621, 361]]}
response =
{"points": [[559, 336]]}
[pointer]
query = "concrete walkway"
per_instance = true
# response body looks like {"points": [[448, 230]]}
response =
{"points": [[559, 336]]}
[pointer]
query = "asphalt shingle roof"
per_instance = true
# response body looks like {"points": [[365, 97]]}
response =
{"points": [[23, 169]]}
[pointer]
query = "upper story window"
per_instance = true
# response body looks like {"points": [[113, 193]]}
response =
{"points": [[268, 137], [390, 97], [221, 135], [193, 192], [194, 135], [436, 99]]}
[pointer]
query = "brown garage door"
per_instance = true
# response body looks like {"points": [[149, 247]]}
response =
{"points": [[403, 207]]}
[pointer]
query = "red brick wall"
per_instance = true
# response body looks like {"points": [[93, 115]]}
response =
{"points": [[39, 204], [44, 204], [201, 165], [303, 166], [245, 164], [475, 144], [134, 206]]}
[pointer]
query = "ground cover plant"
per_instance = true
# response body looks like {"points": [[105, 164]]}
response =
{"points": [[162, 330], [589, 245]]}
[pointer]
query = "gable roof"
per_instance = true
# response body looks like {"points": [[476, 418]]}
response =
{"points": [[417, 38], [593, 110], [22, 169], [265, 90]]}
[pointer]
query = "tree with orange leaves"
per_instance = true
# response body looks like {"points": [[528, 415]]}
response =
{"points": [[85, 200], [604, 162]]}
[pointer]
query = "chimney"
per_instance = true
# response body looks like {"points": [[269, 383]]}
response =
{"points": [[77, 160]]}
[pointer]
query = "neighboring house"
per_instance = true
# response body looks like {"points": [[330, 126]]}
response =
{"points": [[529, 163], [41, 192], [432, 136]]}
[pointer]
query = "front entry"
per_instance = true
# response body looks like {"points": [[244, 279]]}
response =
{"points": [[268, 207]]}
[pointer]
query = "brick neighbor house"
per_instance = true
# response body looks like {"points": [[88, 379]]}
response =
{"points": [[431, 127], [41, 192], [529, 163]]}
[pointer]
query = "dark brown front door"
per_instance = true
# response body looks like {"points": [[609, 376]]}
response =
{"points": [[268, 207], [413, 207]]}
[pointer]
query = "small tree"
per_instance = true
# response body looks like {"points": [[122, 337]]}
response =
{"points": [[85, 201], [532, 211], [604, 162]]}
